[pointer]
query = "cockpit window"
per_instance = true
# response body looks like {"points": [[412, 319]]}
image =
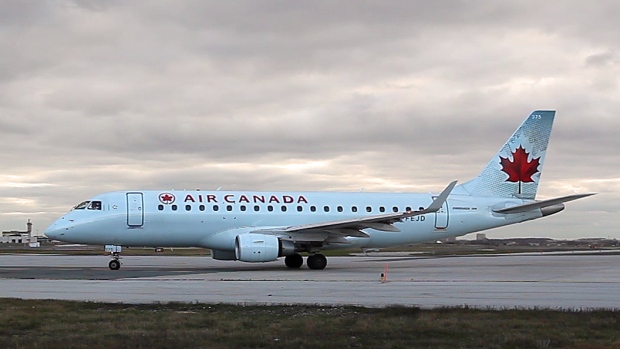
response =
{"points": [[81, 205], [95, 205]]}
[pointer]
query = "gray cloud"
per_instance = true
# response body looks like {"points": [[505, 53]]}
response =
{"points": [[276, 95]]}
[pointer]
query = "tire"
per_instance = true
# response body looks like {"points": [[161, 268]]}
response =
{"points": [[114, 264], [294, 261], [317, 261]]}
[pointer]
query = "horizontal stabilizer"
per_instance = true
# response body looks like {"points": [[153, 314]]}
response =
{"points": [[541, 204]]}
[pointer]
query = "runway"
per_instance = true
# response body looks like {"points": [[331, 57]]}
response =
{"points": [[503, 281]]}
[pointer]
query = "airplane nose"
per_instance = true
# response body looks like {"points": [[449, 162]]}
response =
{"points": [[52, 231], [56, 230]]}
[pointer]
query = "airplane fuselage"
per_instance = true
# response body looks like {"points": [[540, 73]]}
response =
{"points": [[213, 219]]}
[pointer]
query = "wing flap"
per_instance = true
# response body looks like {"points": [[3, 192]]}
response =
{"points": [[383, 227], [348, 232]]}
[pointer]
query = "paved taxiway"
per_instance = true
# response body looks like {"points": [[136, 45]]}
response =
{"points": [[505, 281]]}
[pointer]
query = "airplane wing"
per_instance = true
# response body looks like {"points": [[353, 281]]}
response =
{"points": [[354, 226], [540, 204]]}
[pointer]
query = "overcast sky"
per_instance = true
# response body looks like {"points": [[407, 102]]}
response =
{"points": [[284, 95]]}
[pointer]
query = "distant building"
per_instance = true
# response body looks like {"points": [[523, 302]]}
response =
{"points": [[481, 237], [18, 237]]}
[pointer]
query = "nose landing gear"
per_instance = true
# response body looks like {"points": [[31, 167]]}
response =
{"points": [[115, 264], [115, 253]]}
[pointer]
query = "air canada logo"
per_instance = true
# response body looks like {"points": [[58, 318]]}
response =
{"points": [[166, 198], [520, 169]]}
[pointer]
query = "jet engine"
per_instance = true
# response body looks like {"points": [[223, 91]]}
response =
{"points": [[261, 247]]}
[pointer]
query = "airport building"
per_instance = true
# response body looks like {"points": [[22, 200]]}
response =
{"points": [[18, 237]]}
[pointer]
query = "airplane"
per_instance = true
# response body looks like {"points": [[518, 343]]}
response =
{"points": [[259, 227]]}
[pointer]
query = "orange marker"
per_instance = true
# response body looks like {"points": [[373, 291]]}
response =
{"points": [[384, 275]]}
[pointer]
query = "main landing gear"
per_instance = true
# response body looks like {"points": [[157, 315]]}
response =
{"points": [[315, 261], [115, 253], [294, 261]]}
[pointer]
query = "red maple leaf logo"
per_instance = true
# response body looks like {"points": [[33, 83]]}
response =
{"points": [[166, 198], [519, 169]]}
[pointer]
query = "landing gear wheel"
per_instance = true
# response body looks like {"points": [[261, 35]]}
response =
{"points": [[294, 261], [317, 261], [114, 264]]}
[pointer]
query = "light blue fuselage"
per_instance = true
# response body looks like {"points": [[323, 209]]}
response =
{"points": [[141, 218]]}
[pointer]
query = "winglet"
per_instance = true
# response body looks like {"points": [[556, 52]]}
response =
{"points": [[440, 200]]}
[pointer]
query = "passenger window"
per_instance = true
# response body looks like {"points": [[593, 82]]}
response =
{"points": [[95, 205], [270, 208], [339, 208], [188, 207], [283, 208], [299, 208], [394, 209], [174, 207], [160, 207], [326, 208], [216, 208], [201, 207], [353, 208], [242, 207], [312, 208], [368, 209], [229, 208], [381, 209], [256, 208], [408, 209], [81, 205]]}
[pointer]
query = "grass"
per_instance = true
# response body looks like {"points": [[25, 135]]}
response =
{"points": [[63, 324]]}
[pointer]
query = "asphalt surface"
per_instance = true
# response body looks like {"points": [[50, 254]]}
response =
{"points": [[562, 281]]}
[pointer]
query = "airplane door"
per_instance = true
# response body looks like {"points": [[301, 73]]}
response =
{"points": [[135, 210], [442, 216]]}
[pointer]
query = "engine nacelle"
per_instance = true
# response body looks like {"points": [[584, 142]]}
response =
{"points": [[261, 248]]}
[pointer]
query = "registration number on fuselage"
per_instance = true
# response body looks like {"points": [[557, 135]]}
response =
{"points": [[414, 219]]}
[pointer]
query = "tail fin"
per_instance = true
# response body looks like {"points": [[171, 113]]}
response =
{"points": [[515, 171]]}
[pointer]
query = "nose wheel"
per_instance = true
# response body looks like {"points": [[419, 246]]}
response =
{"points": [[114, 264]]}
